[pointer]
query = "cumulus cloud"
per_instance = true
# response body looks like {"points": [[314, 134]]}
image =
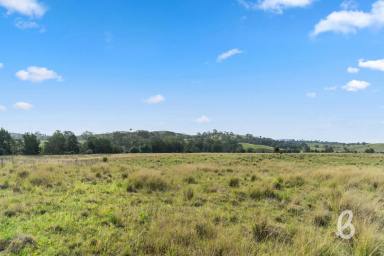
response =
{"points": [[228, 54], [356, 85], [38, 74], [353, 70], [31, 8], [157, 99], [350, 21], [23, 106], [3, 108], [372, 64], [274, 5], [203, 120], [311, 95]]}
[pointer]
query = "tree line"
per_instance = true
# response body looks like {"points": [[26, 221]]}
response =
{"points": [[67, 142]]}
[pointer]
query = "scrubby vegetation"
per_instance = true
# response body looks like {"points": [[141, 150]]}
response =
{"points": [[196, 204]]}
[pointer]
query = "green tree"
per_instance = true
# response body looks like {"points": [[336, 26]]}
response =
{"points": [[31, 144], [55, 144], [97, 145], [72, 145], [370, 151], [5, 142]]}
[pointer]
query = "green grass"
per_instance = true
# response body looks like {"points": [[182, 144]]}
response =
{"points": [[359, 148], [257, 148], [196, 204]]}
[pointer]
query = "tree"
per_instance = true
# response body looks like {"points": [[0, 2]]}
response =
{"points": [[98, 145], [5, 142], [370, 151], [306, 148], [31, 144], [55, 144], [72, 145], [328, 149]]}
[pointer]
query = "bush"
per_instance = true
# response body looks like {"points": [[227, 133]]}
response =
{"points": [[266, 193], [322, 219], [23, 174], [205, 231], [190, 180], [262, 231], [19, 243], [188, 194], [234, 182], [278, 183], [151, 182], [105, 159], [296, 181]]}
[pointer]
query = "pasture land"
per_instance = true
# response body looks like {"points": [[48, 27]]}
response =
{"points": [[191, 204]]}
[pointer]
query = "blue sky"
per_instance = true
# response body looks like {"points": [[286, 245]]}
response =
{"points": [[303, 69]]}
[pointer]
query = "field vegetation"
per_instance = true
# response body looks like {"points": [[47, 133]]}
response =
{"points": [[191, 204]]}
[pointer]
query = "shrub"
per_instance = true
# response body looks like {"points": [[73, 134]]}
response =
{"points": [[105, 159], [41, 181], [266, 193], [263, 231], [234, 182], [322, 219], [278, 183], [131, 189], [23, 174], [296, 181], [149, 181], [20, 242], [190, 180], [205, 231], [188, 194]]}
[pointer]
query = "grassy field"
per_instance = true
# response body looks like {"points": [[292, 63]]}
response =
{"points": [[257, 148], [197, 204], [359, 148]]}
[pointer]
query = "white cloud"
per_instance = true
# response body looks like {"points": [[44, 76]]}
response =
{"points": [[350, 21], [157, 99], [3, 108], [203, 120], [275, 5], [23, 106], [349, 5], [31, 8], [372, 64], [356, 85], [38, 74], [228, 54], [353, 70], [26, 24], [311, 95], [331, 88], [1, 65]]}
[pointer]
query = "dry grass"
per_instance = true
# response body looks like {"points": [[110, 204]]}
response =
{"points": [[198, 204]]}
